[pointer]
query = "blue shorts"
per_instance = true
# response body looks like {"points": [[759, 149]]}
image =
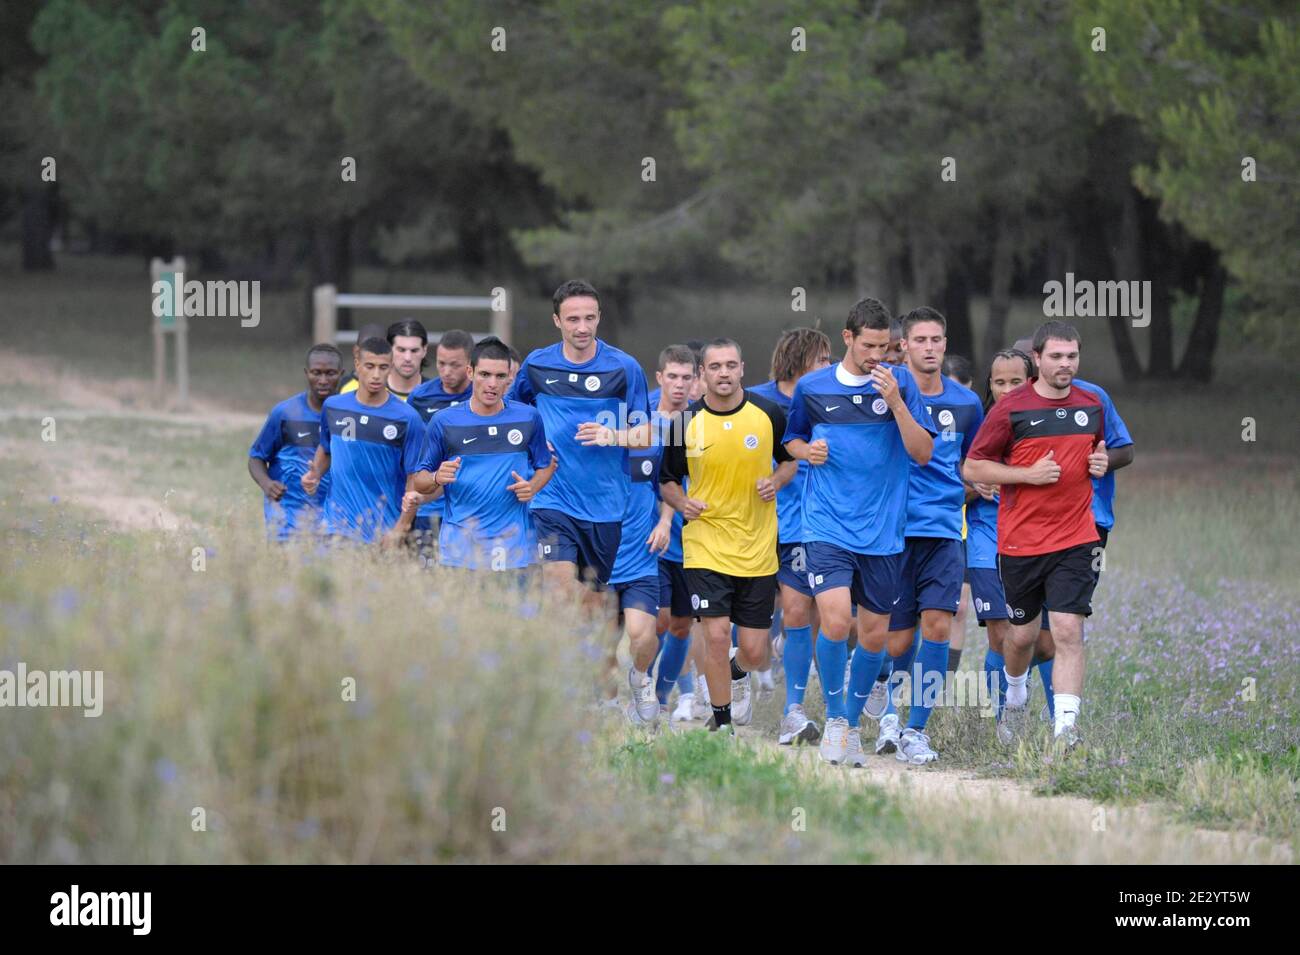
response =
{"points": [[793, 572], [674, 593], [639, 594], [590, 545], [986, 594], [872, 579], [931, 579]]}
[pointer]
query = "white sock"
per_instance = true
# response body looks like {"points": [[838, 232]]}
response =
{"points": [[639, 676], [1017, 692], [1067, 711]]}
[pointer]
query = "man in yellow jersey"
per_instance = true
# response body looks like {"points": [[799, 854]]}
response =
{"points": [[725, 444]]}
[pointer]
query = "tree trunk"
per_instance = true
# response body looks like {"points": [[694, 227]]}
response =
{"points": [[1198, 359], [954, 302], [331, 263], [1125, 253], [872, 265], [1003, 267], [38, 228]]}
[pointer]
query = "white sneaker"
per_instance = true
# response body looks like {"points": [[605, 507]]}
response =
{"points": [[685, 708], [765, 684], [914, 748], [1013, 722], [887, 739], [742, 702], [853, 754], [797, 728], [834, 746], [701, 709], [645, 705], [877, 700]]}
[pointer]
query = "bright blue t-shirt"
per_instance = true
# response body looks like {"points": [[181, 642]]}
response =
{"points": [[428, 398], [635, 560], [662, 431], [935, 492], [857, 500], [789, 500], [372, 450], [1117, 436], [982, 533], [591, 483], [485, 526], [287, 443]]}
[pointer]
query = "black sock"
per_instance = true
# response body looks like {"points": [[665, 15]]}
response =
{"points": [[954, 660], [722, 715], [883, 676], [736, 672]]}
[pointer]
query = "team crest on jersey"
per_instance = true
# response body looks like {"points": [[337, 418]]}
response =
{"points": [[1081, 419], [751, 441], [592, 383], [390, 431], [647, 466], [879, 406], [945, 417], [695, 601], [1060, 412], [515, 436]]}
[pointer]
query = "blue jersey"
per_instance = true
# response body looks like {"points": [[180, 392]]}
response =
{"points": [[857, 500], [428, 398], [662, 430], [635, 560], [372, 450], [789, 500], [982, 533], [935, 492], [287, 443], [1117, 436], [591, 483], [485, 526]]}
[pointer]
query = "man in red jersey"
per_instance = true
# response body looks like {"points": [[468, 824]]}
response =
{"points": [[1043, 443]]}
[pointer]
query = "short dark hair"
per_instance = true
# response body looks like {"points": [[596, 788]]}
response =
{"points": [[574, 288], [696, 345], [324, 349], [796, 351], [679, 355], [959, 367], [407, 328], [1063, 331], [923, 313], [376, 345], [867, 313], [491, 348], [721, 343], [369, 330], [457, 340]]}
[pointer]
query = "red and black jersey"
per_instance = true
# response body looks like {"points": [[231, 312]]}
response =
{"points": [[1020, 429]]}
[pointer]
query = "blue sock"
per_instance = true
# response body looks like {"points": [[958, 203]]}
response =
{"points": [[932, 662], [735, 636], [901, 664], [798, 661], [670, 664], [996, 675], [866, 667], [1045, 671], [832, 655]]}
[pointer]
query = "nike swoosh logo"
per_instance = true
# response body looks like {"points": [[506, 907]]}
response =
{"points": [[861, 696], [831, 407], [551, 381], [468, 440], [798, 687], [896, 600], [1039, 421], [303, 434], [835, 692], [339, 423]]}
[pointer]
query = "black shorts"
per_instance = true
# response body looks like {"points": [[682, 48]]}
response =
{"points": [[748, 601], [1063, 580], [674, 592], [1096, 565]]}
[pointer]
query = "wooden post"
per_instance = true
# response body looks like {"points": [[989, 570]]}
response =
{"points": [[502, 321], [172, 272], [325, 314]]}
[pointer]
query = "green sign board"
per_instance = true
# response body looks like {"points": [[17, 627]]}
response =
{"points": [[168, 318]]}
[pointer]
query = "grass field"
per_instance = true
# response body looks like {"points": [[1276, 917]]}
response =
{"points": [[469, 737]]}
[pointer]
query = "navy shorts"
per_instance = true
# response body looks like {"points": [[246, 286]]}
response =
{"points": [[591, 545], [747, 601], [986, 594], [872, 579], [674, 592], [639, 594], [930, 579], [793, 572], [1102, 533]]}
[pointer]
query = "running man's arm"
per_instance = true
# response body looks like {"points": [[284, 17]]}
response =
{"points": [[798, 433], [662, 533], [983, 465], [404, 520], [274, 490], [672, 472], [320, 463], [543, 461], [263, 450], [908, 413]]}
